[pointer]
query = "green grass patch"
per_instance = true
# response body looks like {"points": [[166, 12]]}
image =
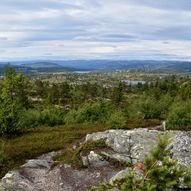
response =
{"points": [[72, 156], [35, 142]]}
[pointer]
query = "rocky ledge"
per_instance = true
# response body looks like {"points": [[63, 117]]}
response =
{"points": [[127, 146]]}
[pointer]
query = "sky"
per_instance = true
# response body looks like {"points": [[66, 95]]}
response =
{"points": [[95, 29]]}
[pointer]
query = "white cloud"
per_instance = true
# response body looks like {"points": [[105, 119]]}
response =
{"points": [[95, 29], [80, 49]]}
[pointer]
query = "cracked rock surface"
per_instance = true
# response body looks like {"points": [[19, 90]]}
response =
{"points": [[126, 146]]}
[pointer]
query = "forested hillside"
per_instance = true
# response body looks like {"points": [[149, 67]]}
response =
{"points": [[29, 103], [38, 66], [37, 116]]}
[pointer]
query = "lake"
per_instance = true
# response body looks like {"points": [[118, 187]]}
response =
{"points": [[133, 82], [82, 72]]}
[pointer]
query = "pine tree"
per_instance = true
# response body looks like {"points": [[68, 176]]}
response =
{"points": [[117, 94], [12, 101]]}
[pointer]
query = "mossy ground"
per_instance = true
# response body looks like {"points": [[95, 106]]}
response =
{"points": [[35, 142]]}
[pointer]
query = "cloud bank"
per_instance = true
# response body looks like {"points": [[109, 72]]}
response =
{"points": [[95, 29]]}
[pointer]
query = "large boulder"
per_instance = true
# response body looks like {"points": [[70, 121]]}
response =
{"points": [[136, 144], [131, 146]]}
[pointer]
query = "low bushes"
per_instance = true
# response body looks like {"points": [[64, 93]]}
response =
{"points": [[31, 118], [150, 108], [117, 120], [89, 113], [101, 112], [50, 116], [180, 116], [14, 118]]}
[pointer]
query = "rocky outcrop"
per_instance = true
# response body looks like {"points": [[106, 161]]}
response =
{"points": [[127, 146], [134, 145], [180, 148], [32, 173], [94, 159]]}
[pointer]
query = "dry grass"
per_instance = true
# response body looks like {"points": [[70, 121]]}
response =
{"points": [[142, 123]]}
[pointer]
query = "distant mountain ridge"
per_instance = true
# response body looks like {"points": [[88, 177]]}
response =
{"points": [[91, 65], [42, 65], [37, 67]]}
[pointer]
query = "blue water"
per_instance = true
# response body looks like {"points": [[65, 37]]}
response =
{"points": [[133, 82], [82, 72]]}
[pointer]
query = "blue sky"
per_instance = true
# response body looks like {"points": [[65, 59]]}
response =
{"points": [[95, 29]]}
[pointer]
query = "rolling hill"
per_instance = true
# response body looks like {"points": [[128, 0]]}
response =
{"points": [[91, 65], [36, 67]]}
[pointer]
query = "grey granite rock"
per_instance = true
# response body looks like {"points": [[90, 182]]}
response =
{"points": [[37, 163], [32, 171], [119, 175], [181, 148], [138, 143], [129, 146], [16, 182], [96, 160]]}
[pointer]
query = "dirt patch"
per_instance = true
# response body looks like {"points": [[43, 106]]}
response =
{"points": [[74, 179]]}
